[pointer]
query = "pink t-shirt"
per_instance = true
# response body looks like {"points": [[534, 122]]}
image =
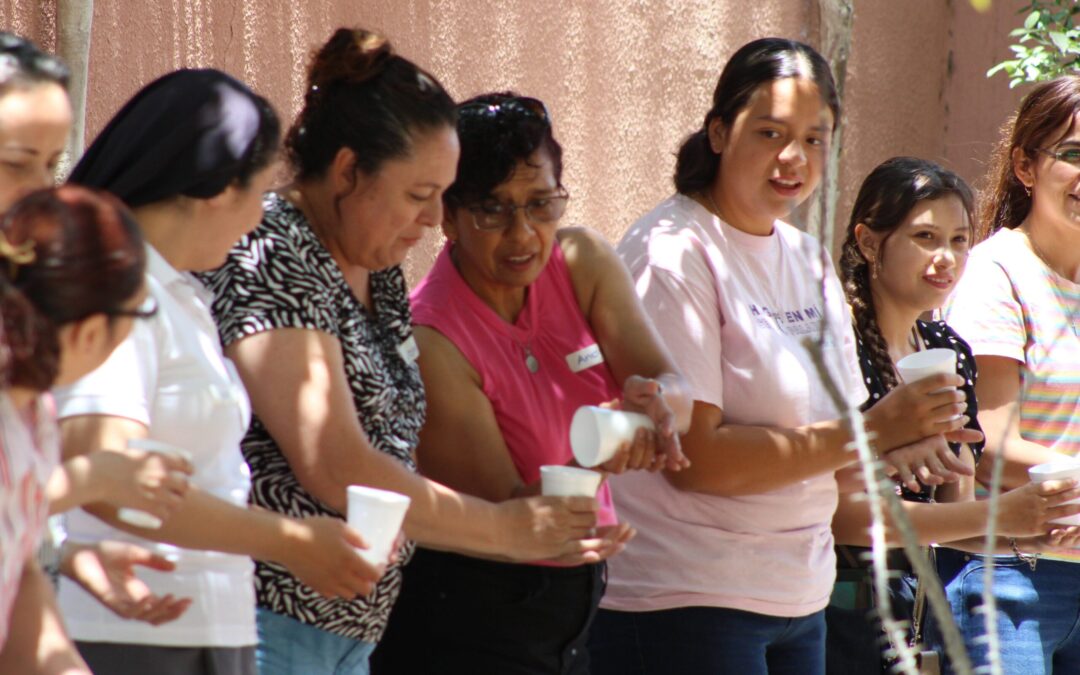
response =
{"points": [[29, 451], [533, 410], [733, 309], [1009, 303]]}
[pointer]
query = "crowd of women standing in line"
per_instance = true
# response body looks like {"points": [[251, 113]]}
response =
{"points": [[269, 332]]}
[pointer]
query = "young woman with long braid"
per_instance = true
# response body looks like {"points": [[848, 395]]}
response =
{"points": [[907, 244]]}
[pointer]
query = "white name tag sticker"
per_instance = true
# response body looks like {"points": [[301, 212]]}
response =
{"points": [[409, 350], [585, 358]]}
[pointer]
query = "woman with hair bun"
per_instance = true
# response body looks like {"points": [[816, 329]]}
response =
{"points": [[312, 306], [71, 280], [733, 564], [190, 154]]}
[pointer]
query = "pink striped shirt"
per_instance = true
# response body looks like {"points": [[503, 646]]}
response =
{"points": [[1010, 304]]}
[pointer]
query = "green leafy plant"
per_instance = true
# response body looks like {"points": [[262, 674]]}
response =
{"points": [[1048, 44]]}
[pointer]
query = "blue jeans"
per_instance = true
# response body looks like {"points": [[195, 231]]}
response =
{"points": [[712, 640], [289, 647], [1038, 612]]}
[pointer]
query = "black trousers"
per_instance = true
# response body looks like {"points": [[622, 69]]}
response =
{"points": [[464, 615]]}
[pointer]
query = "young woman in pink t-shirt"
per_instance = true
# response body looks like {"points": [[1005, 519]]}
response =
{"points": [[733, 563]]}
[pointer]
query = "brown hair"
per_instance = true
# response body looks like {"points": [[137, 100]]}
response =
{"points": [[363, 96], [754, 64], [885, 199], [67, 253], [1047, 108]]}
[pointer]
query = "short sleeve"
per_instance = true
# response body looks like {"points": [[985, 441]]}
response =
{"points": [[274, 278], [985, 310], [123, 386], [678, 289]]}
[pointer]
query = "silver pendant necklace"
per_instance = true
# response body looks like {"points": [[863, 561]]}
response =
{"points": [[530, 361]]}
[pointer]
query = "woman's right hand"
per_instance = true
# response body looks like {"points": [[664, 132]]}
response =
{"points": [[930, 461], [1028, 510], [321, 552], [153, 482], [544, 528], [912, 412]]}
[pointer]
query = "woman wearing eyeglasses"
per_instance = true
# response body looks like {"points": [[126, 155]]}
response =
{"points": [[519, 323], [71, 273], [1018, 306], [312, 307]]}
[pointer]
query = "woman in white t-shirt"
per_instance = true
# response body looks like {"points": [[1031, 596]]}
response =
{"points": [[733, 564], [190, 155]]}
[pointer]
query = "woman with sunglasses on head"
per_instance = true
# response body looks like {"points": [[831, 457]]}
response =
{"points": [[733, 563], [519, 324], [35, 116], [190, 154], [312, 307], [1018, 306], [71, 266]]}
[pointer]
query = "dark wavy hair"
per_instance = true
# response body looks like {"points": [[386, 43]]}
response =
{"points": [[493, 144], [886, 197], [754, 64], [66, 253], [363, 96], [1048, 107]]}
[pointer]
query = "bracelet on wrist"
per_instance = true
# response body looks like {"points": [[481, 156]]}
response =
{"points": [[1032, 559]]}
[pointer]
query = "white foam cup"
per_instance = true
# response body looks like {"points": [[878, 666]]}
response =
{"points": [[596, 433], [142, 518], [377, 515], [921, 365], [1058, 470], [569, 481]]}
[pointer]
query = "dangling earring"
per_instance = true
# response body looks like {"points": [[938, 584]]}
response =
{"points": [[874, 268], [1027, 189]]}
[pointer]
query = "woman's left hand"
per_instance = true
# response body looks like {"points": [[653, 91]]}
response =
{"points": [[649, 450]]}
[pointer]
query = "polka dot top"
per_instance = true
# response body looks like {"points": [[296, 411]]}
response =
{"points": [[934, 334]]}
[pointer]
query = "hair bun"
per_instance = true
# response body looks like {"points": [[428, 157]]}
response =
{"points": [[350, 56]]}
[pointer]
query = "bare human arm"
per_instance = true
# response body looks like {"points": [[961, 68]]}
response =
{"points": [[296, 380], [998, 389], [320, 551], [957, 519], [148, 481], [731, 460], [37, 643], [632, 348]]}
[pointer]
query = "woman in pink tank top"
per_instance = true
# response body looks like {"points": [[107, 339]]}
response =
{"points": [[520, 324]]}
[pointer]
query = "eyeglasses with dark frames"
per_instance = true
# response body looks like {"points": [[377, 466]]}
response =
{"points": [[147, 309], [1069, 155], [524, 106], [492, 215]]}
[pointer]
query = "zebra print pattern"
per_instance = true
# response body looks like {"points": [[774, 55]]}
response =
{"points": [[281, 276]]}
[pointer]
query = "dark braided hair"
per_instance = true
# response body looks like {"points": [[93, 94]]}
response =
{"points": [[885, 199]]}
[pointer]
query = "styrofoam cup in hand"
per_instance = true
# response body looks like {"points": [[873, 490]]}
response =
{"points": [[596, 433], [921, 365], [1063, 469], [142, 518], [377, 515], [568, 481]]}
